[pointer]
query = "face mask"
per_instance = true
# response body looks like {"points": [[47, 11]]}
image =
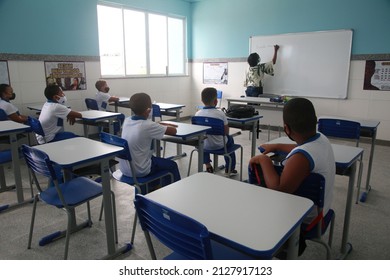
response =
{"points": [[106, 89], [62, 100], [12, 96]]}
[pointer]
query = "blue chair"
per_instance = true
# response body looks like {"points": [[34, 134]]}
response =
{"points": [[66, 196], [3, 115], [141, 184], [186, 237], [343, 129], [91, 104], [36, 127], [217, 128], [313, 187]]}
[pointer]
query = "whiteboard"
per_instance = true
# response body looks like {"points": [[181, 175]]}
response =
{"points": [[309, 64]]}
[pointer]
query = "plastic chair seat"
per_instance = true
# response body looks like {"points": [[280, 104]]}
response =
{"points": [[73, 194], [5, 156]]}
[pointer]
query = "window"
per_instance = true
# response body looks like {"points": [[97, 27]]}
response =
{"points": [[138, 43]]}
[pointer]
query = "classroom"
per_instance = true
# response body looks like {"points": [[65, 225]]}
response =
{"points": [[216, 33]]}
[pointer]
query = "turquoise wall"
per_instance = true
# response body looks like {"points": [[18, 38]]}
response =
{"points": [[221, 28], [216, 28], [64, 27]]}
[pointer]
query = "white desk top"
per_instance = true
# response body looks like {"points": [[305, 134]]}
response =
{"points": [[257, 218], [77, 150], [187, 130], [168, 106], [11, 127], [97, 115]]}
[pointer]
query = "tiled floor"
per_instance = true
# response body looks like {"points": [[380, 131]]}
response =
{"points": [[369, 226]]}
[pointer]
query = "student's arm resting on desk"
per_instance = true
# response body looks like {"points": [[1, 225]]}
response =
{"points": [[171, 128], [277, 147], [113, 99], [296, 169], [72, 116], [17, 118]]}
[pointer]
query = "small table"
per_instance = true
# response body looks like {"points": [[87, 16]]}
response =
{"points": [[94, 116], [244, 122], [346, 158], [248, 218], [368, 128], [258, 102], [12, 129], [78, 152], [187, 134]]}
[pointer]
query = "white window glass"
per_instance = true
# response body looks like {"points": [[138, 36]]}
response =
{"points": [[158, 44], [135, 42], [176, 40], [111, 46]]}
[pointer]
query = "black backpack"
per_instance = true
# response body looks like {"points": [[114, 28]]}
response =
{"points": [[240, 111]]}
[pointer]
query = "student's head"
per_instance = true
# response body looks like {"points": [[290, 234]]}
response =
{"points": [[209, 96], [299, 117], [6, 92], [253, 59], [101, 85], [54, 93], [140, 103]]}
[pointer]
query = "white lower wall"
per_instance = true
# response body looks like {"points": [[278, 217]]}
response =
{"points": [[362, 104], [28, 80]]}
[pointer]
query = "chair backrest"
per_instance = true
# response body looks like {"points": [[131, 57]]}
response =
{"points": [[36, 126], [219, 97], [91, 104], [117, 141], [156, 112], [3, 115], [339, 128], [217, 125], [313, 187], [180, 233], [39, 162]]}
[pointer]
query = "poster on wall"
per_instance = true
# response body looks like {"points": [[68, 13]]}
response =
{"points": [[4, 74], [68, 75], [377, 75], [215, 73]]}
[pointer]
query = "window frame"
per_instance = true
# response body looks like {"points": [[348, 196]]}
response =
{"points": [[184, 56]]}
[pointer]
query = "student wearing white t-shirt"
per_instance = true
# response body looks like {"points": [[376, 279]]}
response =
{"points": [[7, 94], [215, 142], [312, 153], [102, 96], [53, 114], [140, 131]]}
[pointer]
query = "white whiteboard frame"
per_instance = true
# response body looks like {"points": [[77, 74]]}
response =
{"points": [[309, 64]]}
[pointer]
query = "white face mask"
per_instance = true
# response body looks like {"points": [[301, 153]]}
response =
{"points": [[62, 100]]}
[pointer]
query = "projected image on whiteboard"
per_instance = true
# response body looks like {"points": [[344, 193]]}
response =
{"points": [[377, 75], [215, 73]]}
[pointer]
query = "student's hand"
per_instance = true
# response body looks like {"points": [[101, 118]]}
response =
{"points": [[268, 148], [168, 124], [276, 48], [258, 159], [71, 120]]}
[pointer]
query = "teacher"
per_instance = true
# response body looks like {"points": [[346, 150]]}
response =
{"points": [[255, 74]]}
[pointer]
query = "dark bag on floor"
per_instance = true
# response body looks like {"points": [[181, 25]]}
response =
{"points": [[240, 111]]}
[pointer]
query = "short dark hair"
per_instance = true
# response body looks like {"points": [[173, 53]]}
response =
{"points": [[3, 88], [209, 94], [140, 102], [299, 114], [253, 59], [52, 90], [99, 84]]}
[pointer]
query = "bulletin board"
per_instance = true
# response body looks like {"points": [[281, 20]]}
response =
{"points": [[309, 64]]}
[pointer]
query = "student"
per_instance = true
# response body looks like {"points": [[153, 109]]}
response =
{"points": [[53, 114], [102, 96], [215, 142], [254, 76], [139, 131], [7, 94], [312, 153]]}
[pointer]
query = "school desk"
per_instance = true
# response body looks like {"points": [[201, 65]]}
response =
{"points": [[368, 128], [97, 117], [248, 218], [79, 152], [12, 129]]}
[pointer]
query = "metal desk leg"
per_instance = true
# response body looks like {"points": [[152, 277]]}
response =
{"points": [[253, 150], [346, 247], [200, 152], [368, 187], [293, 245], [16, 167]]}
